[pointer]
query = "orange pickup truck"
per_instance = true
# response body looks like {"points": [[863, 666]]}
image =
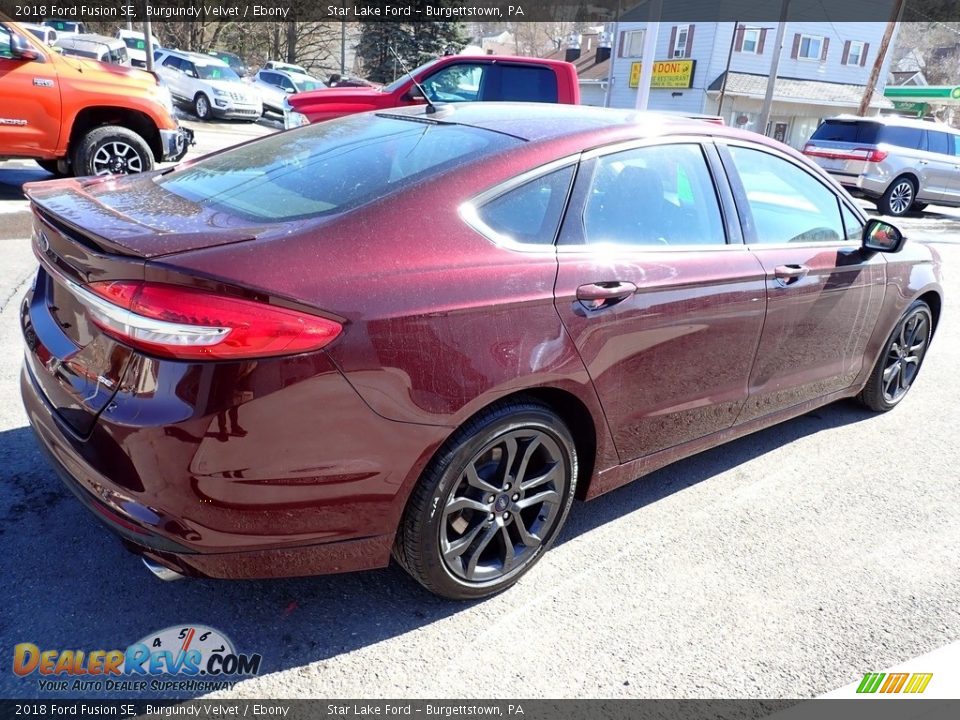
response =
{"points": [[81, 117]]}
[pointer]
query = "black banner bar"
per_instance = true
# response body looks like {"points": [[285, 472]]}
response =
{"points": [[587, 11]]}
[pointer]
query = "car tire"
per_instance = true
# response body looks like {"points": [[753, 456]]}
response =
{"points": [[59, 168], [899, 197], [918, 207], [201, 107], [112, 150], [490, 503], [895, 372]]}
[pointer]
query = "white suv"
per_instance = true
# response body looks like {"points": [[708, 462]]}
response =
{"points": [[209, 85]]}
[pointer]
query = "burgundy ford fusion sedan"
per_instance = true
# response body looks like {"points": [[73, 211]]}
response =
{"points": [[425, 333]]}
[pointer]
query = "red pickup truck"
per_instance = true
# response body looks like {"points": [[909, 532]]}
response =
{"points": [[451, 78]]}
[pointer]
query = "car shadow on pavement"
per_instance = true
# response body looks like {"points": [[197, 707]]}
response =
{"points": [[69, 584]]}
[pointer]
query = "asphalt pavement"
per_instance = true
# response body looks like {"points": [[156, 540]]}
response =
{"points": [[786, 564]]}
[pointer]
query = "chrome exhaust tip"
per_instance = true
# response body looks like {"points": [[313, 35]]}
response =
{"points": [[161, 571]]}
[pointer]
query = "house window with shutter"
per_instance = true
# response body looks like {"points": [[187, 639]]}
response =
{"points": [[854, 53], [631, 43], [751, 41], [811, 47], [681, 44]]}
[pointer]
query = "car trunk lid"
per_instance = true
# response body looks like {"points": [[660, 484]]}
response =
{"points": [[135, 217]]}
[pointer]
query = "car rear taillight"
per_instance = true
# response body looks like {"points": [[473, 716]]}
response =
{"points": [[864, 154], [190, 324]]}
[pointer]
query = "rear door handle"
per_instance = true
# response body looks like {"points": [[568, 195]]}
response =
{"points": [[595, 296], [788, 274]]}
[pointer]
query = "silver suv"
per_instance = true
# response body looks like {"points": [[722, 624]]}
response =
{"points": [[899, 163]]}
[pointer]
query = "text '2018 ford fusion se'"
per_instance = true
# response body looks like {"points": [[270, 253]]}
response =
{"points": [[424, 333]]}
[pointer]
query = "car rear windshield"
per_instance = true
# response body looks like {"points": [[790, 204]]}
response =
{"points": [[848, 131], [329, 167], [869, 133]]}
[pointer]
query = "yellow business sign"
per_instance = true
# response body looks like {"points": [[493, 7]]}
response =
{"points": [[666, 73]]}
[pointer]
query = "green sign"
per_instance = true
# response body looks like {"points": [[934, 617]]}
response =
{"points": [[911, 108]]}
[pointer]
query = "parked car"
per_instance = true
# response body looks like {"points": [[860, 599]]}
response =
{"points": [[136, 43], [428, 332], [447, 79], [46, 35], [235, 62], [208, 86], [79, 117], [66, 27], [95, 47], [902, 164], [275, 85], [286, 67]]}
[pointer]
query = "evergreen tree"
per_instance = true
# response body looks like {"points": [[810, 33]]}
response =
{"points": [[416, 43]]}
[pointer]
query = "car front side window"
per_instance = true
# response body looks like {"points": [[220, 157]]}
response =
{"points": [[788, 204]]}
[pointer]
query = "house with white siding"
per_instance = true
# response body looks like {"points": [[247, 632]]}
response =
{"points": [[722, 69]]}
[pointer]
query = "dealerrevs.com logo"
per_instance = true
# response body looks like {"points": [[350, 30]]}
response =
{"points": [[186, 658]]}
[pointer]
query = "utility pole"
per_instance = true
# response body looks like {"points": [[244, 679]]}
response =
{"points": [[147, 35], [726, 73], [649, 53], [774, 67], [881, 56]]}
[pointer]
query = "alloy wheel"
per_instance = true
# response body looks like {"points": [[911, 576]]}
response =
{"points": [[901, 197], [904, 355], [116, 158], [504, 506]]}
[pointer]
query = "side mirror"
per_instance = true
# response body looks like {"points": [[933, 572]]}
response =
{"points": [[413, 95], [289, 91], [882, 237], [22, 50]]}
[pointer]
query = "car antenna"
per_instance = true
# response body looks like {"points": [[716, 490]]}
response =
{"points": [[431, 108]]}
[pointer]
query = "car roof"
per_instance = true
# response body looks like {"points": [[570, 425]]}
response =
{"points": [[197, 58], [90, 39], [549, 121]]}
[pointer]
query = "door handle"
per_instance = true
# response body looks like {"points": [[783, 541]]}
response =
{"points": [[595, 296], [788, 274]]}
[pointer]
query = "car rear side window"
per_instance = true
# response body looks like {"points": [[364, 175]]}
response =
{"points": [[787, 204], [530, 213], [331, 166], [522, 84], [172, 62], [939, 142], [653, 196], [905, 137]]}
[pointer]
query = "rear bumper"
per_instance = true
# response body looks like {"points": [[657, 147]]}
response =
{"points": [[175, 143], [138, 526], [861, 185], [235, 505]]}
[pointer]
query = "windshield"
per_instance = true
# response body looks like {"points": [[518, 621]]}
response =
{"points": [[401, 81], [307, 84], [331, 166], [216, 72]]}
